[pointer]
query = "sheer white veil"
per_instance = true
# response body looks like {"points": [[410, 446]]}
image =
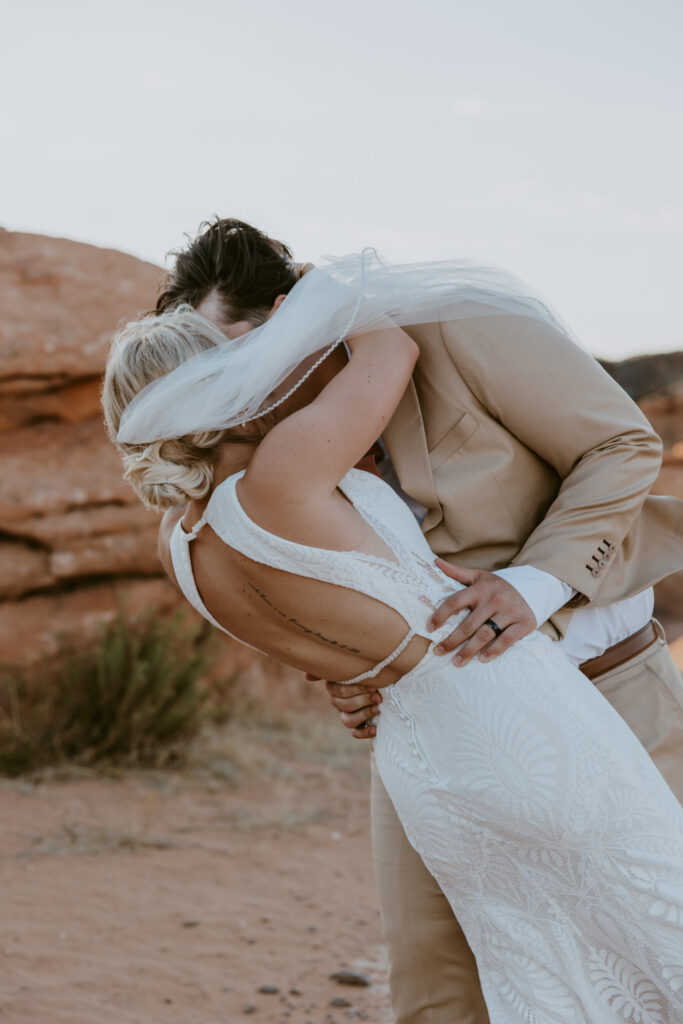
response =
{"points": [[230, 383]]}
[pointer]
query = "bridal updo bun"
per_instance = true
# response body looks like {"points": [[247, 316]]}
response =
{"points": [[168, 472]]}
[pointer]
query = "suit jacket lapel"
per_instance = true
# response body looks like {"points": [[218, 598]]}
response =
{"points": [[406, 443]]}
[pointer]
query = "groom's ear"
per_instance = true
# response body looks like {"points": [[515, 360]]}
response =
{"points": [[276, 305]]}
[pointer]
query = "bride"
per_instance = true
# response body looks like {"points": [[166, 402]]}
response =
{"points": [[546, 824]]}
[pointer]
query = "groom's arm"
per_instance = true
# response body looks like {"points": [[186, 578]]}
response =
{"points": [[557, 400]]}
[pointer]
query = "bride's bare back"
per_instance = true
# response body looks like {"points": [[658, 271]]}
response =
{"points": [[290, 490], [331, 631]]}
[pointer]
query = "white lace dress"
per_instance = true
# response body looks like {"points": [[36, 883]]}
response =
{"points": [[548, 827]]}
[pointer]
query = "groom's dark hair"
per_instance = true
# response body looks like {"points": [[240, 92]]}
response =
{"points": [[242, 265]]}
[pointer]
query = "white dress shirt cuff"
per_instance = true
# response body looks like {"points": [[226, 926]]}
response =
{"points": [[542, 592]]}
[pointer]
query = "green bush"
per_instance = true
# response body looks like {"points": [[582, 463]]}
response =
{"points": [[132, 696]]}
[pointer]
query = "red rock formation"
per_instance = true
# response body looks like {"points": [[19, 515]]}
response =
{"points": [[72, 535], [656, 382], [665, 412]]}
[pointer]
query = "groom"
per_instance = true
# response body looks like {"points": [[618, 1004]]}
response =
{"points": [[529, 469]]}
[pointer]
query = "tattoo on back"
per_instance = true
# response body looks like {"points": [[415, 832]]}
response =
{"points": [[300, 625]]}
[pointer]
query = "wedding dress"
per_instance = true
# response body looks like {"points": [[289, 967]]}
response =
{"points": [[548, 827]]}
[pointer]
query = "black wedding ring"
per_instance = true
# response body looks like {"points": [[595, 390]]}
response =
{"points": [[494, 626]]}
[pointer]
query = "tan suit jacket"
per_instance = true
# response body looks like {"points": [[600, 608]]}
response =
{"points": [[526, 452]]}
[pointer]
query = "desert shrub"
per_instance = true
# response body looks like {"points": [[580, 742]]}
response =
{"points": [[132, 696]]}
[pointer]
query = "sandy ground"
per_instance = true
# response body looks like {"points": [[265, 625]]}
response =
{"points": [[174, 898]]}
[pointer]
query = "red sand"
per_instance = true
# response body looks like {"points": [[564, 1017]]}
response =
{"points": [[173, 899]]}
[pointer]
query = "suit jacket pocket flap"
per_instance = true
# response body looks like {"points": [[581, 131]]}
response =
{"points": [[452, 440]]}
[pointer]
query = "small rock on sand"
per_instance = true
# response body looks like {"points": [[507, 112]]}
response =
{"points": [[350, 978]]}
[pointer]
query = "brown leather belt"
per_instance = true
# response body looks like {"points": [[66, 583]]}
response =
{"points": [[622, 652]]}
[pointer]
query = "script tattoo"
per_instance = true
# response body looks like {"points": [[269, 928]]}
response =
{"points": [[300, 625]]}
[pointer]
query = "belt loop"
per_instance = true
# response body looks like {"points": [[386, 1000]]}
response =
{"points": [[659, 629]]}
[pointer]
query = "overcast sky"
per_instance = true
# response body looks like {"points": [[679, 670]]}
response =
{"points": [[544, 136]]}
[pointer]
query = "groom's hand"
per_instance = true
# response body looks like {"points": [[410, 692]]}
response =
{"points": [[488, 597], [357, 704]]}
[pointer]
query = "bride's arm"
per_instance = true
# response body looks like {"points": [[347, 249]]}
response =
{"points": [[317, 445]]}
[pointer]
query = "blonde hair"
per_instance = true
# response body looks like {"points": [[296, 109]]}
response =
{"points": [[169, 472]]}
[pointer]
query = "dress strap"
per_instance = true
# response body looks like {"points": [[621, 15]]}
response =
{"points": [[182, 565], [382, 664], [189, 535]]}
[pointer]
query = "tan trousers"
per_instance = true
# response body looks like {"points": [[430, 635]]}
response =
{"points": [[434, 976]]}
